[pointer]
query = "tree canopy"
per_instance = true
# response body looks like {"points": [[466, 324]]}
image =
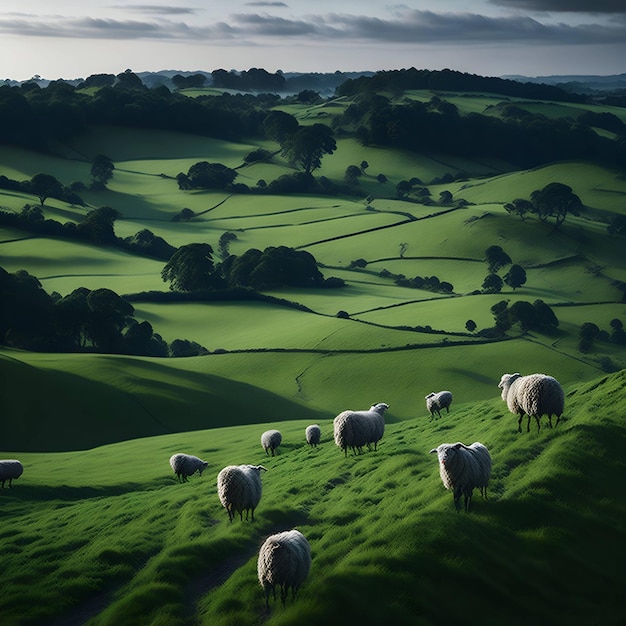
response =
{"points": [[308, 145]]}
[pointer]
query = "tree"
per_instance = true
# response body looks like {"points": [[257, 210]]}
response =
{"points": [[470, 326], [587, 333], [519, 207], [102, 169], [129, 80], [308, 145], [98, 224], [352, 174], [364, 165], [109, 313], [278, 126], [496, 258], [524, 313], [205, 175], [555, 200], [190, 268], [224, 243], [445, 197], [492, 284], [45, 186], [515, 277]]}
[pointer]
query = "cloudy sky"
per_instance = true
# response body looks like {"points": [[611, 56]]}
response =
{"points": [[76, 38]]}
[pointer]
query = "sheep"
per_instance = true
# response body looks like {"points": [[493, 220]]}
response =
{"points": [[270, 440], [184, 465], [462, 468], [355, 429], [284, 561], [533, 395], [239, 489], [10, 469], [313, 435], [435, 402]]}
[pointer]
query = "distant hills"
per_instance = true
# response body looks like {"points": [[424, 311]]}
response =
{"points": [[578, 83]]}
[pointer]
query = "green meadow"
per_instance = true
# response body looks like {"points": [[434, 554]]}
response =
{"points": [[98, 531]]}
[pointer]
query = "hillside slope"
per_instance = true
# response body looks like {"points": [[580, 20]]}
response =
{"points": [[111, 537]]}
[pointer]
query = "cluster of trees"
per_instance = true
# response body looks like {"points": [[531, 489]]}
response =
{"points": [[555, 200], [590, 332], [43, 186], [303, 146], [496, 259], [397, 81], [525, 141], [537, 316], [255, 79], [96, 227], [192, 268], [83, 321]]}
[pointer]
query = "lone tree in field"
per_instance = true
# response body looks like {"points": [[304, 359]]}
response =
{"points": [[496, 258], [102, 169], [492, 284], [45, 186], [308, 145], [191, 268], [515, 277], [555, 200]]}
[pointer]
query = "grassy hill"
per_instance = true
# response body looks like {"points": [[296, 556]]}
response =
{"points": [[108, 536], [98, 531]]}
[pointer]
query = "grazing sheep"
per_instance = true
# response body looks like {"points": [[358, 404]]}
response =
{"points": [[313, 435], [534, 395], [184, 465], [10, 469], [284, 561], [462, 468], [355, 429], [435, 402], [239, 489], [270, 440]]}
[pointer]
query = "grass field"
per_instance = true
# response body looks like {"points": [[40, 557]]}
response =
{"points": [[98, 532]]}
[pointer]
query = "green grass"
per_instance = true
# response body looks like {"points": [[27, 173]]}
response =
{"points": [[548, 541]]}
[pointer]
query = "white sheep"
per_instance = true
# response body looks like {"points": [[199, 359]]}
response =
{"points": [[533, 395], [10, 469], [463, 468], [284, 561], [270, 440], [184, 465], [313, 434], [435, 402], [355, 429], [239, 489]]}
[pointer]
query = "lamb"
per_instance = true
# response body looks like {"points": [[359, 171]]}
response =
{"points": [[355, 429], [313, 435], [184, 465], [10, 469], [435, 402], [534, 395], [239, 489], [284, 561], [462, 468], [270, 440]]}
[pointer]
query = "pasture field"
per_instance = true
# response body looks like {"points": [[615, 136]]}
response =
{"points": [[97, 531], [107, 535]]}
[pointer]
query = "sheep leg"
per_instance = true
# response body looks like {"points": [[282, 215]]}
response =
{"points": [[550, 421], [538, 418], [457, 499], [528, 425], [519, 423]]}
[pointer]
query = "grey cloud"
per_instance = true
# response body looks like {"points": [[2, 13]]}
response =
{"points": [[412, 27], [157, 9], [565, 6], [266, 4]]}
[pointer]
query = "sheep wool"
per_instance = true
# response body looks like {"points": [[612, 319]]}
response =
{"points": [[435, 402], [284, 561], [313, 435], [270, 440], [463, 468], [184, 465], [533, 395], [355, 429], [239, 489], [10, 469]]}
